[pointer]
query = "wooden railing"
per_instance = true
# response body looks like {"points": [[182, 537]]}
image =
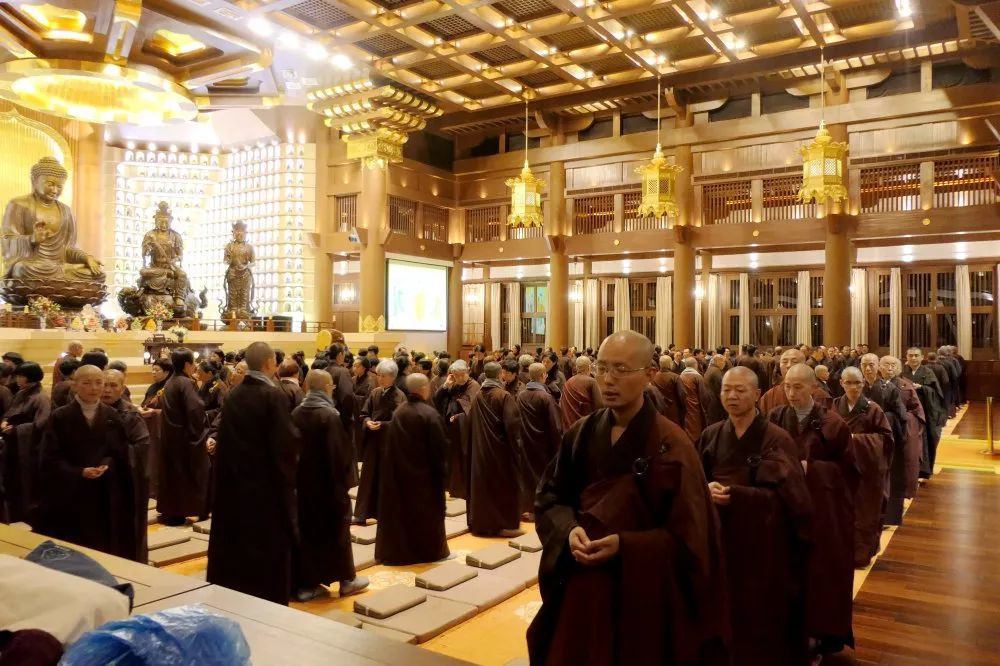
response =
{"points": [[727, 203], [482, 225], [402, 216], [633, 222], [966, 181], [594, 215], [890, 188], [345, 214], [522, 233], [435, 223], [781, 200]]}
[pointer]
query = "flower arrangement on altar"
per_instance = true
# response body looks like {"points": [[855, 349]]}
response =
{"points": [[178, 332], [122, 324], [44, 308], [159, 311]]}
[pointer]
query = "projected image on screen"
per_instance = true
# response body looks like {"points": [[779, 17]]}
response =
{"points": [[417, 297]]}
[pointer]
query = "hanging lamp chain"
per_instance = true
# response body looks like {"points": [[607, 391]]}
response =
{"points": [[659, 96]]}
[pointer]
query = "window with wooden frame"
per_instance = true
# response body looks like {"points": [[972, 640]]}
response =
{"points": [[730, 298], [983, 286], [607, 308], [594, 215], [890, 188], [773, 302], [727, 203], [483, 224], [534, 310], [345, 213], [642, 301], [879, 313], [816, 311]]}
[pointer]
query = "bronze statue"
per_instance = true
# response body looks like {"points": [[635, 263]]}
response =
{"points": [[162, 279], [239, 278], [39, 245]]}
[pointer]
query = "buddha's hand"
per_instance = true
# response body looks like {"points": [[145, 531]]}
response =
{"points": [[94, 266], [40, 235]]}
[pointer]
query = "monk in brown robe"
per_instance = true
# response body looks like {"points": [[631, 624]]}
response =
{"points": [[886, 395], [493, 502], [22, 427], [580, 394], [631, 569], [694, 416], [454, 401], [890, 368], [872, 442], [375, 417], [183, 465], [668, 383], [775, 396], [411, 519], [540, 433], [758, 485], [711, 390], [824, 444]]}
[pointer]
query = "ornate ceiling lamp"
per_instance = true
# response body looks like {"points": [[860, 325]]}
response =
{"points": [[525, 191], [823, 159], [659, 179], [122, 65], [373, 118]]}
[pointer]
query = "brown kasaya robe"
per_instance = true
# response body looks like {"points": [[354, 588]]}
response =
{"points": [[662, 598], [380, 406], [540, 433], [580, 397], [183, 466], [765, 530], [293, 392], [694, 417], [824, 440], [454, 404], [411, 517], [775, 397], [28, 414], [711, 396], [323, 479], [493, 502], [915, 424], [887, 396], [62, 393], [672, 392], [872, 447], [94, 513]]}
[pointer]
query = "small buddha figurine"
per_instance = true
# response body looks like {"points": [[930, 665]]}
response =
{"points": [[163, 248], [39, 232], [238, 282]]}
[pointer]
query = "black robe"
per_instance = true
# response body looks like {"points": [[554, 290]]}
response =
{"points": [[411, 495], [540, 433], [764, 532], [454, 404], [62, 393], [661, 599], [94, 513], [324, 475], [710, 393], [28, 414], [380, 406], [931, 398], [293, 392], [493, 502], [137, 436], [255, 495], [183, 467], [555, 380]]}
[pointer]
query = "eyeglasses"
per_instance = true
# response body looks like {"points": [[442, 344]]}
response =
{"points": [[616, 371]]}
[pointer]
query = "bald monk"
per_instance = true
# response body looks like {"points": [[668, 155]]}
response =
{"points": [[411, 519], [668, 383], [824, 443], [872, 443], [88, 476], [694, 414], [540, 432], [904, 479], [775, 396], [580, 394], [759, 488], [323, 478], [493, 502], [631, 569]]}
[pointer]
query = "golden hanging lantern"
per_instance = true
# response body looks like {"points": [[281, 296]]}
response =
{"points": [[525, 191], [659, 186], [823, 168]]}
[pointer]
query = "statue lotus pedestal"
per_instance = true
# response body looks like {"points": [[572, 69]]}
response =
{"points": [[70, 294]]}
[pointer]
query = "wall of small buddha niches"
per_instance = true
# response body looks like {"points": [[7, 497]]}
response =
{"points": [[272, 188]]}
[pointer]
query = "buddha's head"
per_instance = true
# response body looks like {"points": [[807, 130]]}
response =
{"points": [[239, 232], [162, 217], [48, 178]]}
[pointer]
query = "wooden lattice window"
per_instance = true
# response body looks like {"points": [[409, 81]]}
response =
{"points": [[402, 216], [345, 213], [968, 181], [642, 302], [522, 233], [633, 222], [816, 311], [435, 223], [483, 224], [727, 203], [781, 200], [773, 302], [594, 215], [982, 283], [730, 298], [607, 308], [890, 188]]}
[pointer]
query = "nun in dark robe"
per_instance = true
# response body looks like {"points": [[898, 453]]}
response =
{"points": [[183, 466], [376, 414], [21, 428], [454, 401], [412, 502]]}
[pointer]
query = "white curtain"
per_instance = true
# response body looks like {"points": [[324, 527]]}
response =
{"points": [[963, 300], [859, 306], [803, 319], [496, 317], [623, 305], [698, 289], [744, 309], [664, 311], [514, 306], [714, 312], [473, 310], [576, 313], [896, 313], [592, 314]]}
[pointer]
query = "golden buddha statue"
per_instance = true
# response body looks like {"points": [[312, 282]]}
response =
{"points": [[39, 245]]}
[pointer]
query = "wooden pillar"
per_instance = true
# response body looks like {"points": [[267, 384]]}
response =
{"points": [[837, 271], [325, 225], [455, 333], [558, 318], [487, 310], [372, 216], [684, 266], [706, 271]]}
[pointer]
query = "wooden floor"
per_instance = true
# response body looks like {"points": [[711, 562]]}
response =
{"points": [[972, 423]]}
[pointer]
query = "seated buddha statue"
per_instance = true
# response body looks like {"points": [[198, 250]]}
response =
{"points": [[39, 233], [162, 251]]}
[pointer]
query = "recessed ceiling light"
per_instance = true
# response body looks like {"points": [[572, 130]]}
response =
{"points": [[260, 26]]}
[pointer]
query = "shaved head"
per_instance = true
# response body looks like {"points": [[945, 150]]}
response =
{"points": [[416, 383], [318, 380], [802, 373], [640, 349], [536, 372], [790, 358], [582, 364], [743, 374]]}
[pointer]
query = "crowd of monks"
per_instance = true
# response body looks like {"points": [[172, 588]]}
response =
{"points": [[693, 507]]}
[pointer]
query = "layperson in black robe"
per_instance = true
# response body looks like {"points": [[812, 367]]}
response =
{"points": [[411, 518], [211, 389], [759, 487], [183, 465], [932, 399], [631, 569], [343, 383], [824, 443], [555, 380], [376, 415], [711, 390], [137, 437], [151, 412], [62, 391], [323, 478], [511, 384], [254, 522], [493, 502], [11, 361], [540, 433], [363, 381], [288, 382], [22, 427], [454, 400], [90, 497]]}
